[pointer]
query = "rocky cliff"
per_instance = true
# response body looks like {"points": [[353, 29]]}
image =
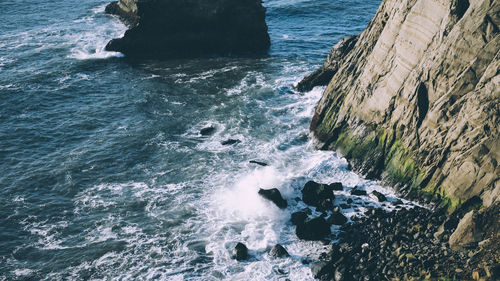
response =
{"points": [[166, 28], [416, 100]]}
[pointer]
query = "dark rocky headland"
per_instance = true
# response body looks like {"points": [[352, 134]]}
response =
{"points": [[172, 28], [414, 100]]}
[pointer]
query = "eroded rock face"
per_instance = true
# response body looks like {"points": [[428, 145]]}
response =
{"points": [[167, 28], [417, 99]]}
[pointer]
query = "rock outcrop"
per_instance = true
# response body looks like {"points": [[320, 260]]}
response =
{"points": [[416, 100], [324, 74], [171, 28]]}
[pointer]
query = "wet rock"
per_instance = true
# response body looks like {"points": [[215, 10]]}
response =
{"points": [[358, 191], [258, 163], [313, 229], [278, 251], [380, 197], [273, 195], [299, 217], [337, 218], [207, 131], [336, 186], [318, 195], [321, 268], [230, 142], [169, 28], [240, 252]]}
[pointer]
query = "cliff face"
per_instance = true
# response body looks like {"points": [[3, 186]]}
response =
{"points": [[416, 101], [163, 28]]}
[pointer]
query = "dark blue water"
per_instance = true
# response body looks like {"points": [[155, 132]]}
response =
{"points": [[103, 172]]}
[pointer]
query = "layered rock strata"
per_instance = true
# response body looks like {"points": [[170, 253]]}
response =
{"points": [[171, 28], [416, 100]]}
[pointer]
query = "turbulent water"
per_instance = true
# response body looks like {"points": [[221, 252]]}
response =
{"points": [[103, 172]]}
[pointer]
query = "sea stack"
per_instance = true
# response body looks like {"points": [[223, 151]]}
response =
{"points": [[172, 28]]}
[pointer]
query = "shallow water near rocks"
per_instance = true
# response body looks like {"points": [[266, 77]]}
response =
{"points": [[104, 173]]}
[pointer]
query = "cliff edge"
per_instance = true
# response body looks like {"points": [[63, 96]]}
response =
{"points": [[171, 28], [416, 101]]}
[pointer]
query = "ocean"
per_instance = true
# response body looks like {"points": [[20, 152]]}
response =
{"points": [[104, 174]]}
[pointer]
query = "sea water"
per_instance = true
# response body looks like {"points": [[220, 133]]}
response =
{"points": [[104, 174]]}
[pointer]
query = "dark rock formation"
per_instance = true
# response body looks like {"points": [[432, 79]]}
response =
{"points": [[299, 217], [273, 195], [416, 100], [336, 186], [230, 142], [321, 268], [313, 229], [258, 163], [171, 28], [336, 218], [278, 252], [240, 252], [357, 191], [207, 131], [318, 195], [380, 197], [323, 75]]}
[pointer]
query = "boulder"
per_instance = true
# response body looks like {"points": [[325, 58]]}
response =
{"points": [[299, 217], [171, 28], [313, 229], [278, 251], [357, 191], [240, 252], [230, 142], [207, 131], [337, 218], [476, 226], [318, 195], [336, 186], [380, 197], [320, 268], [273, 195]]}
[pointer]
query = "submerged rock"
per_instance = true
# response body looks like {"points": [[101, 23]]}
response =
{"points": [[230, 142], [207, 131], [273, 195], [278, 251], [172, 28], [258, 163], [240, 252], [313, 229]]}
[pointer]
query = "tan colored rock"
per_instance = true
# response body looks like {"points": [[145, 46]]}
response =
{"points": [[417, 100], [477, 226]]}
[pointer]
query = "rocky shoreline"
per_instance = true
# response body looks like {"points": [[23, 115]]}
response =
{"points": [[410, 242]]}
